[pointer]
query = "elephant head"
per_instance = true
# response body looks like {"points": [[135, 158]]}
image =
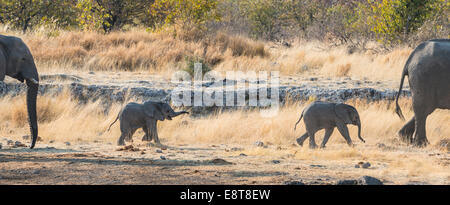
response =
{"points": [[161, 111], [348, 115], [17, 62]]}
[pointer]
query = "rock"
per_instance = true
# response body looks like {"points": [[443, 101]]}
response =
{"points": [[51, 141], [276, 161], [162, 157], [347, 182], [19, 144], [242, 155], [234, 149], [37, 172], [219, 161], [364, 180], [159, 151], [142, 152], [1, 145], [10, 142], [67, 143], [259, 144], [366, 165], [368, 180], [294, 183]]}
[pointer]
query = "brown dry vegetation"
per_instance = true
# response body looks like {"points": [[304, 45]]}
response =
{"points": [[161, 53], [63, 119]]}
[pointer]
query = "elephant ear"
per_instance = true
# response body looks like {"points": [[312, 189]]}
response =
{"points": [[153, 110], [343, 113]]}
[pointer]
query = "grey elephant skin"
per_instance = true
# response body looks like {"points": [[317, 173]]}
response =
{"points": [[324, 115], [428, 71], [134, 116], [17, 62]]}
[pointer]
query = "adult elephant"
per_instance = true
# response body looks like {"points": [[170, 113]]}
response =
{"points": [[17, 62], [428, 71]]}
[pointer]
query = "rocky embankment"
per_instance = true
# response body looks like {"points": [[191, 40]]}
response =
{"points": [[111, 88]]}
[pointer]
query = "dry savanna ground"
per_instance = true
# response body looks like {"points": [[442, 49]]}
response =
{"points": [[75, 147]]}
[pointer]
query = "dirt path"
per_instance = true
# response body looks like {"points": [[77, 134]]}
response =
{"points": [[97, 163]]}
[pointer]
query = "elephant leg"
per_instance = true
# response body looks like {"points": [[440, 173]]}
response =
{"points": [[312, 141], [420, 138], [327, 135], [121, 140], [148, 134], [153, 130], [126, 135], [422, 109], [301, 139], [344, 132], [407, 131]]}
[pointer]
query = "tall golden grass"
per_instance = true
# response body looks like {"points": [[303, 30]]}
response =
{"points": [[138, 50], [62, 118]]}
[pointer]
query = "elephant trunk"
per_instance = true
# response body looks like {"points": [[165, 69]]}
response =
{"points": [[359, 132], [31, 108], [179, 113]]}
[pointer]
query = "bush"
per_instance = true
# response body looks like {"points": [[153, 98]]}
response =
{"points": [[190, 65]]}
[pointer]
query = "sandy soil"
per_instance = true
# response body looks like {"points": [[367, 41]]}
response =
{"points": [[104, 163]]}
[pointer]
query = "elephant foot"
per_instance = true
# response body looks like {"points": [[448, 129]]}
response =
{"points": [[406, 136], [322, 147], [312, 146], [120, 143], [422, 142], [299, 142]]}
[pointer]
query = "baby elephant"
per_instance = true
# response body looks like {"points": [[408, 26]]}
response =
{"points": [[134, 116], [323, 115]]}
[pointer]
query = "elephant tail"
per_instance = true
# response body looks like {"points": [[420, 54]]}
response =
{"points": [[301, 116], [113, 122], [397, 107]]}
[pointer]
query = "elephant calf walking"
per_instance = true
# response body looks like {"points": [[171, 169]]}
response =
{"points": [[323, 115], [134, 116]]}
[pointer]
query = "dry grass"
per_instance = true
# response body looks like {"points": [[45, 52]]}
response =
{"points": [[63, 118], [139, 50]]}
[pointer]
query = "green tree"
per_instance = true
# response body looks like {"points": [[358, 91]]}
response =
{"points": [[110, 15], [393, 20], [24, 14]]}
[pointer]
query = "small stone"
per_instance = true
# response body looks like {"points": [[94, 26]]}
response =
{"points": [[142, 152], [37, 172], [10, 142], [294, 183], [162, 157], [220, 161], [259, 144], [347, 182], [159, 151], [1, 145], [242, 155], [67, 143], [51, 141], [19, 144], [366, 165], [276, 161], [368, 180]]}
